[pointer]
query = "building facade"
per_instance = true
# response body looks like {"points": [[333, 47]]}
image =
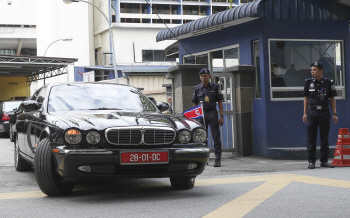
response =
{"points": [[280, 39]]}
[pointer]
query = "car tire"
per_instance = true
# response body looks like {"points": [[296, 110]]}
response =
{"points": [[20, 164], [49, 181], [182, 182]]}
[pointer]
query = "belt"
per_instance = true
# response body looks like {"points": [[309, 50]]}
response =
{"points": [[318, 107]]}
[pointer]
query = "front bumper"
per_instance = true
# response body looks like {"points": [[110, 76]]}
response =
{"points": [[105, 163]]}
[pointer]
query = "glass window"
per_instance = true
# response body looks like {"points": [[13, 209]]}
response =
{"points": [[155, 55], [257, 69], [290, 65], [231, 57], [147, 55], [246, 1], [217, 59], [202, 59]]}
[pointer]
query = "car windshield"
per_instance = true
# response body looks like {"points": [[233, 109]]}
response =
{"points": [[10, 105], [98, 97]]}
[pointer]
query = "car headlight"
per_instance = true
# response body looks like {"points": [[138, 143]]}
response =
{"points": [[184, 136], [199, 135], [73, 136], [93, 137]]}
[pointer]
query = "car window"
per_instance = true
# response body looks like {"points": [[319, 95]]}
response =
{"points": [[35, 95], [98, 97]]}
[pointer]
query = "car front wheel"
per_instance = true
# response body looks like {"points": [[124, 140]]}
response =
{"points": [[182, 182], [20, 163], [48, 179]]}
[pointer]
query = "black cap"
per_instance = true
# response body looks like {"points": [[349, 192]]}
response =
{"points": [[317, 64], [204, 71]]}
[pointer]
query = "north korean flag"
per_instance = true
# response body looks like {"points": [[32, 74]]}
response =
{"points": [[194, 113]]}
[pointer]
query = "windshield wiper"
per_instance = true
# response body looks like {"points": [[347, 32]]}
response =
{"points": [[104, 108]]}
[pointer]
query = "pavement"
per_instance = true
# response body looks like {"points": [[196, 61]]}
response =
{"points": [[233, 164]]}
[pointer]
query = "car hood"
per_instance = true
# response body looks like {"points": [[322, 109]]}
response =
{"points": [[101, 120]]}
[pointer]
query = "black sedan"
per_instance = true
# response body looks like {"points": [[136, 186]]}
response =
{"points": [[84, 131], [6, 110]]}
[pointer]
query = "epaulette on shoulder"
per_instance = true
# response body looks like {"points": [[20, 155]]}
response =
{"points": [[198, 85], [308, 79], [328, 80]]}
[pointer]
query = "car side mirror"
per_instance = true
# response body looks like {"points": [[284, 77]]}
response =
{"points": [[30, 105], [162, 106]]}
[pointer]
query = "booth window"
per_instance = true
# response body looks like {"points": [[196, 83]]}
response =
{"points": [[290, 62], [155, 56]]}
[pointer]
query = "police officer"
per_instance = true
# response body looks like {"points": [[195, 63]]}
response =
{"points": [[210, 93], [318, 92]]}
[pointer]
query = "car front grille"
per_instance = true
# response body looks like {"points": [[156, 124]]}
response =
{"points": [[140, 135]]}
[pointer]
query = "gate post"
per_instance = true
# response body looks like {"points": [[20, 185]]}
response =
{"points": [[184, 78], [243, 89]]}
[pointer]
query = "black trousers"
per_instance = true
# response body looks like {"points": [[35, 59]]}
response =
{"points": [[318, 119], [211, 119]]}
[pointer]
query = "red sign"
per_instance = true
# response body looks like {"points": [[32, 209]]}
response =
{"points": [[144, 157]]}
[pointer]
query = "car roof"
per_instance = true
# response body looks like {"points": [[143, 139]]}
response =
{"points": [[88, 83]]}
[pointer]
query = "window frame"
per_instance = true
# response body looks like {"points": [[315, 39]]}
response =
{"points": [[301, 88], [209, 56]]}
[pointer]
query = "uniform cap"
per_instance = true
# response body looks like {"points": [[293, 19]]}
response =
{"points": [[204, 71], [317, 64]]}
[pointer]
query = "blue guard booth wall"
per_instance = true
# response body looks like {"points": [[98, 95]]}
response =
{"points": [[278, 130]]}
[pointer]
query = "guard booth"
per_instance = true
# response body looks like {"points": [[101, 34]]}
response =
{"points": [[280, 39], [17, 73]]}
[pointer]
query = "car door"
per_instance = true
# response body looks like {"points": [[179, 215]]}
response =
{"points": [[34, 124]]}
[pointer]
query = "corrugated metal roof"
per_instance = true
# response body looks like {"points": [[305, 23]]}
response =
{"points": [[273, 9]]}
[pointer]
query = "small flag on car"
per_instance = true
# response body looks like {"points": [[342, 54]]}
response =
{"points": [[194, 113]]}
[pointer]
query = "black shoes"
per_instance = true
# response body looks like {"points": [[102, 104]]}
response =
{"points": [[217, 163], [311, 166], [326, 165]]}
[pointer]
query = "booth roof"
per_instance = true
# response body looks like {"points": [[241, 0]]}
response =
{"points": [[274, 9]]}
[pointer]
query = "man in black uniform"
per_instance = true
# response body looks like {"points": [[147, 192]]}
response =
{"points": [[210, 93], [318, 91]]}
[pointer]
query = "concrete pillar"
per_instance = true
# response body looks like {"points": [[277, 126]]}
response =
{"points": [[243, 82], [185, 77]]}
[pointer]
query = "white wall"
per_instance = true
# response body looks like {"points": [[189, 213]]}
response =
{"points": [[19, 12], [56, 20]]}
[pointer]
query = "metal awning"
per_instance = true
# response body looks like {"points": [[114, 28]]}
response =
{"points": [[33, 67], [270, 9]]}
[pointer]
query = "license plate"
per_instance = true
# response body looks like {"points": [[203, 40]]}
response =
{"points": [[152, 157]]}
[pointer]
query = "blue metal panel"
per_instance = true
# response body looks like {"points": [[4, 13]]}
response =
{"points": [[310, 9], [260, 9], [318, 10], [326, 10], [277, 9], [269, 9], [333, 9], [285, 9], [302, 12], [294, 9]]}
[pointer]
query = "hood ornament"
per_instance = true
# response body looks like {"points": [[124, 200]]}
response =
{"points": [[137, 119]]}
